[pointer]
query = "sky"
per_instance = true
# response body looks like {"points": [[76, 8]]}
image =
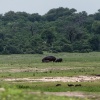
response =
{"points": [[43, 6]]}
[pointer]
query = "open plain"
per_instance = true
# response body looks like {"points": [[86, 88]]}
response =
{"points": [[78, 76]]}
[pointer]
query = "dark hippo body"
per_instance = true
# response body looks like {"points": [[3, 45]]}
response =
{"points": [[49, 59], [59, 60]]}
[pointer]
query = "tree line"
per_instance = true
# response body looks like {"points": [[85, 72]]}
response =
{"points": [[59, 30]]}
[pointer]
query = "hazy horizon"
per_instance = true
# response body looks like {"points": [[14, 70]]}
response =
{"points": [[43, 6]]}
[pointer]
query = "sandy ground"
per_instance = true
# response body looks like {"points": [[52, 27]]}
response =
{"points": [[70, 94], [46, 79], [54, 79], [51, 79]]}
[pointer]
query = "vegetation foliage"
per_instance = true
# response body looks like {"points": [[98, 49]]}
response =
{"points": [[15, 94], [59, 30], [30, 66]]}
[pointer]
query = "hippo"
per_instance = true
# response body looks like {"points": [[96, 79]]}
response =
{"points": [[59, 60], [49, 59], [70, 85], [78, 85], [58, 84]]}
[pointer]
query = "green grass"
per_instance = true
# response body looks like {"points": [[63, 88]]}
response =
{"points": [[35, 59], [16, 94], [74, 64], [23, 91], [51, 86], [77, 63], [52, 73]]}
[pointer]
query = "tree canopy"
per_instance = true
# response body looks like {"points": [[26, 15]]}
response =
{"points": [[59, 30]]}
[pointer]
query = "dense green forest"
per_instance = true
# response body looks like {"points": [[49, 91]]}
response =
{"points": [[59, 30]]}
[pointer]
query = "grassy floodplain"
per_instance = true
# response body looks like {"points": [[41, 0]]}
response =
{"points": [[74, 63], [30, 65]]}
